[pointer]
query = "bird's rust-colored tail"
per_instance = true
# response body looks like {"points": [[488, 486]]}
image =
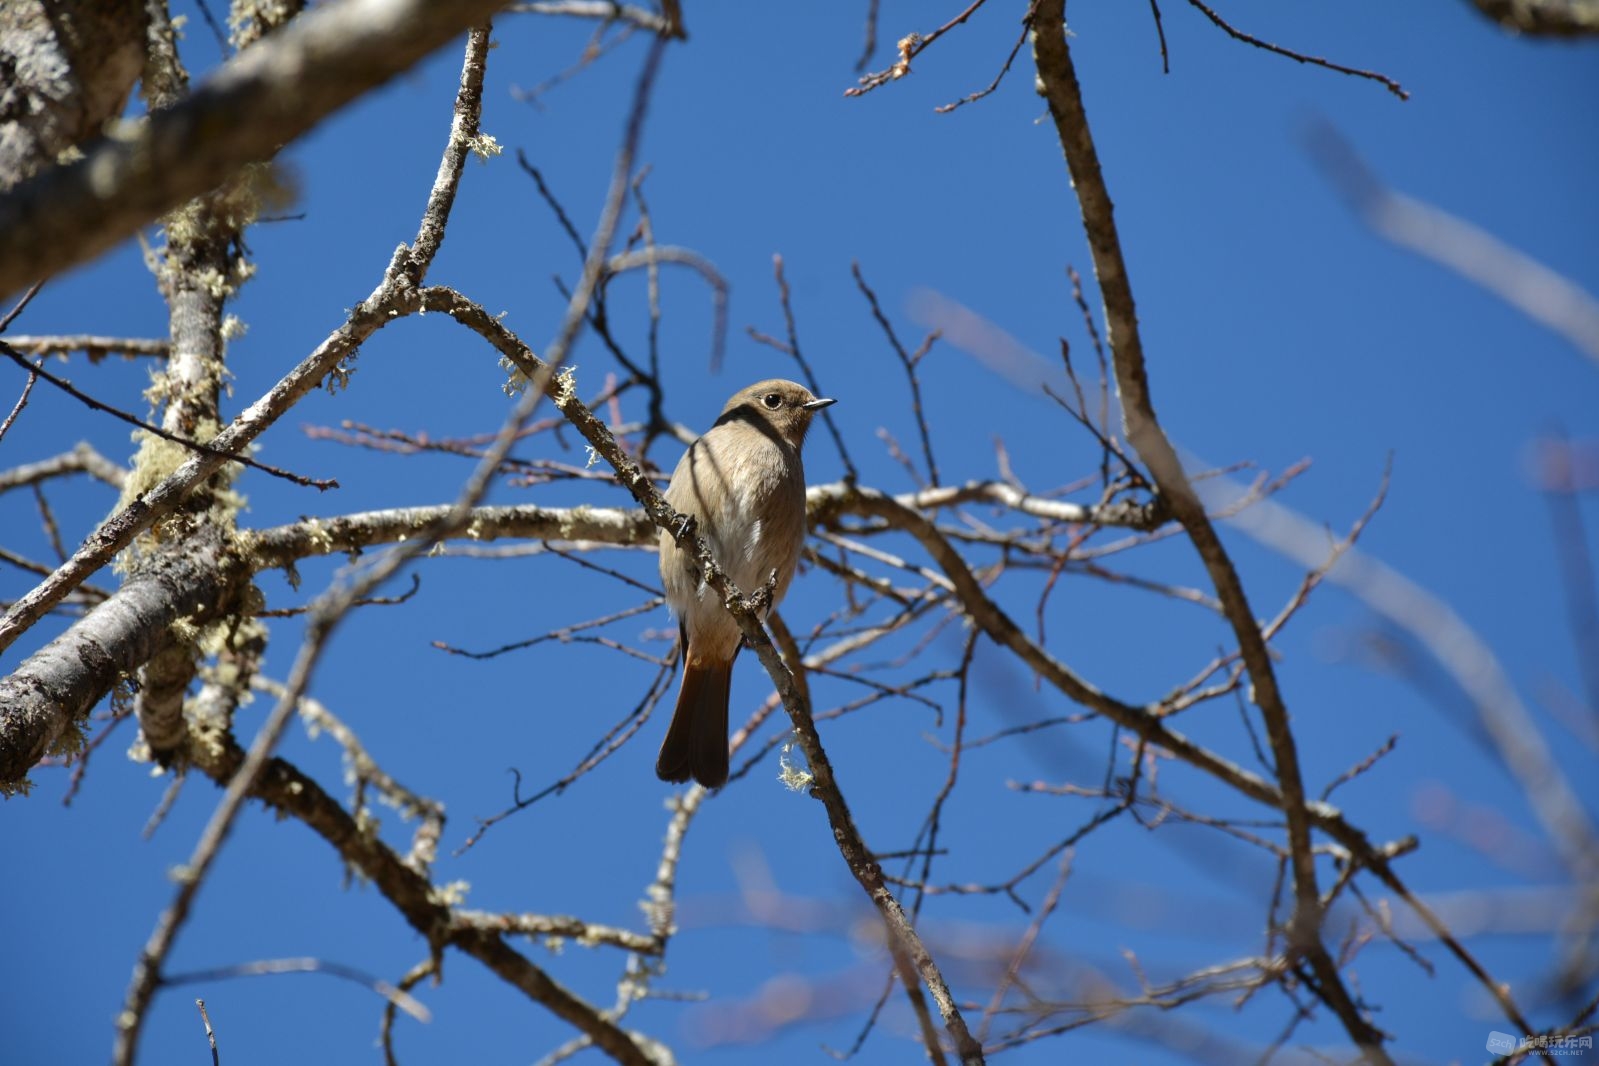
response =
{"points": [[696, 741]]}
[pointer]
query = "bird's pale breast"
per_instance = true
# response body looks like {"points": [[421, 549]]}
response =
{"points": [[748, 493]]}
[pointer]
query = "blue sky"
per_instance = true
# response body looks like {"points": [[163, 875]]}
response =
{"points": [[1276, 327]]}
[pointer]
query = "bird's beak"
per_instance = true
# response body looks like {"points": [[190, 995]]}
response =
{"points": [[817, 405]]}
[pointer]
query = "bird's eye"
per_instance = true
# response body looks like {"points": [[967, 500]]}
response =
{"points": [[772, 401]]}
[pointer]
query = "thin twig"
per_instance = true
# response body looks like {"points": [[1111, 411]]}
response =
{"points": [[869, 47], [1160, 31], [785, 298], [909, 47], [95, 346], [193, 446], [971, 98], [1299, 57], [22, 401], [413, 977], [270, 967], [17, 308], [909, 365], [210, 1034]]}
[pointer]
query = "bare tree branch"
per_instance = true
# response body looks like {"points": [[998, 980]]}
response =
{"points": [[42, 698], [94, 346], [332, 607], [1058, 83], [1299, 57], [1547, 297], [668, 24], [923, 590], [1467, 658], [70, 66], [263, 98], [165, 434], [1544, 18]]}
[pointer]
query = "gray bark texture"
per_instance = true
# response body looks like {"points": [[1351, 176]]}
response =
{"points": [[58, 685], [1544, 18], [53, 690], [262, 99], [66, 66]]}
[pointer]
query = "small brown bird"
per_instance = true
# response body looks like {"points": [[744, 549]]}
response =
{"points": [[744, 485]]}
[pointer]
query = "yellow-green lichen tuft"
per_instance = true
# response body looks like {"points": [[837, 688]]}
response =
{"points": [[450, 895], [565, 385], [338, 376], [794, 778], [517, 382], [484, 146]]}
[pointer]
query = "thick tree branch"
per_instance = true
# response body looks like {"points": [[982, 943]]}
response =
{"points": [[334, 605], [407, 266], [196, 272], [57, 686], [282, 545], [70, 66], [395, 295], [264, 98], [1544, 18]]}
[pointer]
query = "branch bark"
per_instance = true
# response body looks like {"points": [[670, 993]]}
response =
{"points": [[1058, 84], [1544, 18], [264, 98], [48, 692], [53, 689], [334, 605], [284, 788], [118, 531], [69, 66], [904, 941]]}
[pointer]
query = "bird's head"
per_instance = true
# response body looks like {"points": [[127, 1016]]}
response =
{"points": [[786, 406]]}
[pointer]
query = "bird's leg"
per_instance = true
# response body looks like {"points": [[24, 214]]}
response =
{"points": [[685, 527]]}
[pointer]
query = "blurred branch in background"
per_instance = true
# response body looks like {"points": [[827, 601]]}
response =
{"points": [[262, 99], [1515, 736], [1543, 295], [1555, 462], [1544, 18]]}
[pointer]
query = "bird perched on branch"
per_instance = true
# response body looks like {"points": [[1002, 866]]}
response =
{"points": [[743, 484]]}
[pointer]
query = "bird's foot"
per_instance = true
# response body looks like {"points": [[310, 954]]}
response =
{"points": [[761, 599]]}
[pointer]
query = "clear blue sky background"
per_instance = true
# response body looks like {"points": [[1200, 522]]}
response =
{"points": [[1276, 327]]}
